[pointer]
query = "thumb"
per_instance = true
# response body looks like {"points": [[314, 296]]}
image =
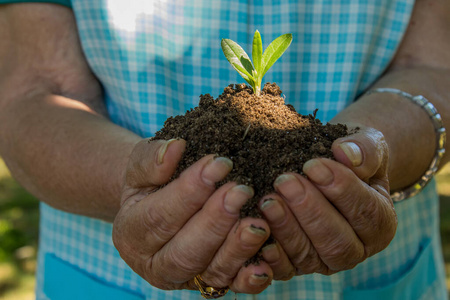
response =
{"points": [[365, 152], [152, 163]]}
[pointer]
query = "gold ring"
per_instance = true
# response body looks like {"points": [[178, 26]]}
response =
{"points": [[209, 292]]}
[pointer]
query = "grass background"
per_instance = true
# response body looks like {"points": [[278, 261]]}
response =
{"points": [[19, 219]]}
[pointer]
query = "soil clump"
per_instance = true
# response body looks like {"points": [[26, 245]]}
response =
{"points": [[262, 135]]}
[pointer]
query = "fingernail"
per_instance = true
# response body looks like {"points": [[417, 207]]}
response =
{"points": [[271, 253], [272, 210], [163, 149], [318, 172], [253, 235], [283, 178], [258, 279], [353, 152], [216, 169], [236, 197], [291, 187]]}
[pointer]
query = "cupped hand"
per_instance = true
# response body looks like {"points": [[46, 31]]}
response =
{"points": [[170, 233], [336, 217]]}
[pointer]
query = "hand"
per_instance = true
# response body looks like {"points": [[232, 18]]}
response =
{"points": [[171, 234], [336, 218]]}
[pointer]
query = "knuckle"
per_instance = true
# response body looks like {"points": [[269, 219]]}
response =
{"points": [[192, 188], [182, 264], [192, 178], [226, 264], [344, 183], [140, 162], [221, 271], [218, 276], [377, 220], [344, 256], [156, 278], [305, 253], [157, 223], [316, 215], [218, 227], [138, 151], [151, 276], [186, 186], [366, 215], [386, 229], [378, 146], [308, 262]]}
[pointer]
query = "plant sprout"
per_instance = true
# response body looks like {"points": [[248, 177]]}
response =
{"points": [[262, 62]]}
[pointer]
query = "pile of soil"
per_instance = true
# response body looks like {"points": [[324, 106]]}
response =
{"points": [[262, 135]]}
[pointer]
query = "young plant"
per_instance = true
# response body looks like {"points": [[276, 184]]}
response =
{"points": [[262, 62]]}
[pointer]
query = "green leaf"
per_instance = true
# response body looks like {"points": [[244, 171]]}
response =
{"points": [[247, 64], [274, 51], [239, 59], [257, 51]]}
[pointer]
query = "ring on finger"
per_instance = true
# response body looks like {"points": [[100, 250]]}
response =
{"points": [[209, 292]]}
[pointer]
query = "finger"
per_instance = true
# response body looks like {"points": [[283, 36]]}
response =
{"points": [[370, 213], [192, 249], [278, 261], [242, 243], [252, 279], [293, 240], [152, 163], [331, 235], [150, 223], [366, 153]]}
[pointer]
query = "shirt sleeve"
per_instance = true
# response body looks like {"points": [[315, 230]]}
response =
{"points": [[66, 3]]}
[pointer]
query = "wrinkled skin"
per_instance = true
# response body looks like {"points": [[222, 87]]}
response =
{"points": [[330, 222], [170, 235], [336, 218]]}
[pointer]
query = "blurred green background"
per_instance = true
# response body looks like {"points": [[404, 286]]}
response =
{"points": [[19, 219]]}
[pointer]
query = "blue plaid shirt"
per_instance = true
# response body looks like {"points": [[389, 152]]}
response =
{"points": [[154, 59]]}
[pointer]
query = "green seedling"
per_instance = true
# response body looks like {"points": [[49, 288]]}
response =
{"points": [[253, 72]]}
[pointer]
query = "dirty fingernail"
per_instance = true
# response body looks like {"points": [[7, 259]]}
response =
{"points": [[318, 172], [284, 178], [258, 279], [216, 169], [353, 152], [272, 210], [163, 149], [291, 187], [253, 235], [236, 197], [271, 253]]}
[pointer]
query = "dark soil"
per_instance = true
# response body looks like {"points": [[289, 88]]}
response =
{"points": [[262, 135]]}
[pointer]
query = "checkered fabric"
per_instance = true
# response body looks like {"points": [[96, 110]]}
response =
{"points": [[156, 57]]}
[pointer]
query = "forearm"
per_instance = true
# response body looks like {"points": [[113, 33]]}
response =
{"points": [[406, 127], [66, 154], [54, 135], [420, 67]]}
